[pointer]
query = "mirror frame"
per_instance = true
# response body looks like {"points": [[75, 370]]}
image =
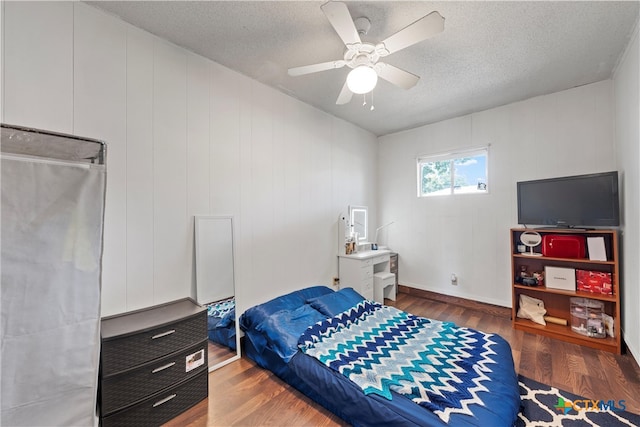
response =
{"points": [[353, 210], [200, 238]]}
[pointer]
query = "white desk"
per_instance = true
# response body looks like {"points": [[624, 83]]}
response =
{"points": [[357, 270]]}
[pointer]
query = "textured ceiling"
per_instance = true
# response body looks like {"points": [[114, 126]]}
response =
{"points": [[489, 54]]}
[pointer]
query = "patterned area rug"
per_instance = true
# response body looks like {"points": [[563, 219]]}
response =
{"points": [[544, 405]]}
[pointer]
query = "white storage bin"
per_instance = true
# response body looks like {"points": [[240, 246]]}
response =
{"points": [[560, 278]]}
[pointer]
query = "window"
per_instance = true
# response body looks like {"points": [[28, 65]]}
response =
{"points": [[460, 172]]}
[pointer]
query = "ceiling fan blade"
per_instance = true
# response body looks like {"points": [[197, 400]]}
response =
{"points": [[422, 29], [397, 76], [345, 95], [314, 68], [338, 15]]}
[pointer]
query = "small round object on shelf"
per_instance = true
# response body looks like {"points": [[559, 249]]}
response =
{"points": [[531, 239]]}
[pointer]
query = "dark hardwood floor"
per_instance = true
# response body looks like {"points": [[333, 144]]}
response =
{"points": [[243, 394]]}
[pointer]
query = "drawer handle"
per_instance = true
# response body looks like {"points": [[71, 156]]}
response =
{"points": [[164, 334], [162, 368], [165, 400]]}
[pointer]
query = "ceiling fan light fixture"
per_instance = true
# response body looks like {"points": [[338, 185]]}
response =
{"points": [[362, 79]]}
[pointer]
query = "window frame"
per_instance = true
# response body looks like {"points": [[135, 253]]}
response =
{"points": [[451, 156]]}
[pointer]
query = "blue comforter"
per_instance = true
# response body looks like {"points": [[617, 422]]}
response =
{"points": [[382, 349], [274, 329]]}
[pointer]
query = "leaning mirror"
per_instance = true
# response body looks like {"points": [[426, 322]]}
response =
{"points": [[358, 218], [215, 287]]}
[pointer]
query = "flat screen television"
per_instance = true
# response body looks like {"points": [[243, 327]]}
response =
{"points": [[571, 201]]}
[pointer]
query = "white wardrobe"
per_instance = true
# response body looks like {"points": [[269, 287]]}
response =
{"points": [[53, 189]]}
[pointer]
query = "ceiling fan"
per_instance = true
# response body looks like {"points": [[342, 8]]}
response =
{"points": [[364, 57]]}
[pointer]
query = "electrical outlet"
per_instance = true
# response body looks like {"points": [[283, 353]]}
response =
{"points": [[454, 279], [336, 281]]}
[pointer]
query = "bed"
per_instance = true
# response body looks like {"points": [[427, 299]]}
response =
{"points": [[375, 365], [221, 319]]}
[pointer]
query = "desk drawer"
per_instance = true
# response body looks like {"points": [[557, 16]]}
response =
{"points": [[126, 388], [163, 406], [366, 288], [380, 259], [122, 353], [366, 273], [375, 260]]}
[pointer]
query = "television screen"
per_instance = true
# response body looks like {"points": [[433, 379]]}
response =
{"points": [[572, 201]]}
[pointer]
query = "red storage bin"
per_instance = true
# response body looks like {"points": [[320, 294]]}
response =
{"points": [[563, 246], [594, 281]]}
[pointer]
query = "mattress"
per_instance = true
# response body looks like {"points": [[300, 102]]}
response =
{"points": [[273, 333]]}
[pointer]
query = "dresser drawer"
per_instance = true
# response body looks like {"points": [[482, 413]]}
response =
{"points": [[125, 352], [126, 388], [163, 406]]}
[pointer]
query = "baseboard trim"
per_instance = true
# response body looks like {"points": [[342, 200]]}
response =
{"points": [[484, 307]]}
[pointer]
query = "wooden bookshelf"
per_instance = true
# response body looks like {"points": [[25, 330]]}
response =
{"points": [[557, 301]]}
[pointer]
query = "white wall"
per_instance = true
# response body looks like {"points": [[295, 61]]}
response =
{"points": [[565, 133], [186, 136], [627, 125]]}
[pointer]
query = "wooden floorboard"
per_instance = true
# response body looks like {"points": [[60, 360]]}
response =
{"points": [[218, 353], [243, 394]]}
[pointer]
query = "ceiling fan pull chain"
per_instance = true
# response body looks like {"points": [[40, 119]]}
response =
{"points": [[364, 99], [372, 107]]}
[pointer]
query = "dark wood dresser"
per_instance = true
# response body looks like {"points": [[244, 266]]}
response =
{"points": [[153, 363]]}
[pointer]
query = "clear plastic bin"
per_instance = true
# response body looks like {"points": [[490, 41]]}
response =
{"points": [[586, 317]]}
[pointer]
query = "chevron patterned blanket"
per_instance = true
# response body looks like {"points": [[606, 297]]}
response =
{"points": [[382, 349]]}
